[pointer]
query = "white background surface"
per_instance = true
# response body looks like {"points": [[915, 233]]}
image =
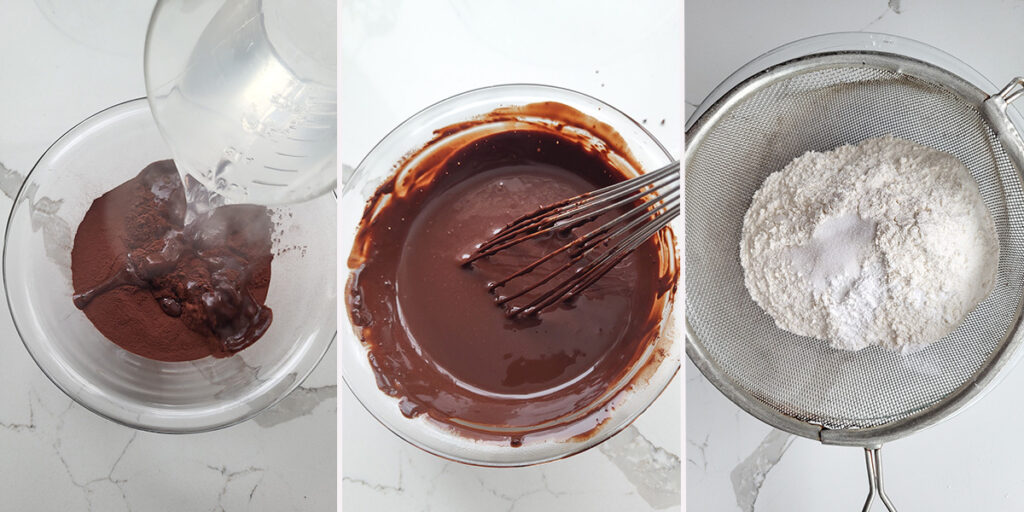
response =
{"points": [[971, 462], [401, 58], [60, 62]]}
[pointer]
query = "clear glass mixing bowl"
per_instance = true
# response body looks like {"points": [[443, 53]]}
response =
{"points": [[630, 397], [100, 153]]}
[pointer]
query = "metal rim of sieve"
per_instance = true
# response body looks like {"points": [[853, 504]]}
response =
{"points": [[993, 108]]}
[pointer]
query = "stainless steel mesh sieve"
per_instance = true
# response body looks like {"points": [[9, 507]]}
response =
{"points": [[819, 102]]}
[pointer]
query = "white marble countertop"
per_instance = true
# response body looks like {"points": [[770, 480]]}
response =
{"points": [[399, 59], [60, 62], [735, 462]]}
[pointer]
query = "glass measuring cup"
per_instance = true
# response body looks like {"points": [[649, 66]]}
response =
{"points": [[244, 94]]}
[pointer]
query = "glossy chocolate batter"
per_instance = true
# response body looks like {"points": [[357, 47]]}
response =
{"points": [[168, 290], [436, 339]]}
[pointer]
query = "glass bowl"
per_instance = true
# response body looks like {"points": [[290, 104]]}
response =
{"points": [[100, 153], [627, 398]]}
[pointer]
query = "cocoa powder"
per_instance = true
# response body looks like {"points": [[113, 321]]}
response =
{"points": [[166, 290]]}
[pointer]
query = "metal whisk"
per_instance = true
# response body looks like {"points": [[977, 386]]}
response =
{"points": [[648, 202]]}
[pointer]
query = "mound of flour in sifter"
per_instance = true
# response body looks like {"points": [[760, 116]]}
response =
{"points": [[886, 242]]}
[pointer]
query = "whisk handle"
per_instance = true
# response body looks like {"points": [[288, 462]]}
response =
{"points": [[875, 488]]}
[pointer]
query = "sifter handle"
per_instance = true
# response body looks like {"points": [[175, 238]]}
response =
{"points": [[1013, 90], [874, 462], [995, 111]]}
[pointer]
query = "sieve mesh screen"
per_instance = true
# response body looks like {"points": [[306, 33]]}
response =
{"points": [[820, 109]]}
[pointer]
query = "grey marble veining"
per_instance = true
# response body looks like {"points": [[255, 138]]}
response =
{"points": [[655, 472], [748, 476], [627, 473]]}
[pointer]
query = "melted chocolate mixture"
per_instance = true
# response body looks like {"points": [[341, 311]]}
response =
{"points": [[167, 290], [437, 340]]}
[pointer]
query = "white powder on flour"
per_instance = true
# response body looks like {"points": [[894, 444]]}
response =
{"points": [[886, 242]]}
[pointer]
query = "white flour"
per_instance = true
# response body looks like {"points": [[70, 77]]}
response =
{"points": [[883, 243]]}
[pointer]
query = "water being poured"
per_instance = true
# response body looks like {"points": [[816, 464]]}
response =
{"points": [[199, 200], [250, 109]]}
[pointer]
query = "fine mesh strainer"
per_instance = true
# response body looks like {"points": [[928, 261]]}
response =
{"points": [[820, 101]]}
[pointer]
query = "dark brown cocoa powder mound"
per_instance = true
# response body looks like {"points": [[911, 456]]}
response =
{"points": [[165, 290]]}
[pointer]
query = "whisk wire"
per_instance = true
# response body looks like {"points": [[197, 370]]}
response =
{"points": [[588, 275], [656, 201], [586, 243], [546, 219]]}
